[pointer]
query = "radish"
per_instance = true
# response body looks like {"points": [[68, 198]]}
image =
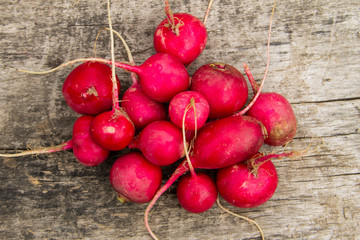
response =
{"points": [[161, 76], [227, 141], [223, 86], [181, 35], [194, 119], [141, 109], [196, 193], [134, 178], [85, 149], [112, 130], [160, 142], [251, 183], [246, 186], [275, 112], [87, 89]]}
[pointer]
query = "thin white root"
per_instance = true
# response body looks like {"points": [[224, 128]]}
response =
{"points": [[122, 40], [207, 12], [242, 217]]}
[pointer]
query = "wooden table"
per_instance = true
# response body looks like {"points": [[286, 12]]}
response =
{"points": [[315, 53]]}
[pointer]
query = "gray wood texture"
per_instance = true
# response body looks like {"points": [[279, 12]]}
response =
{"points": [[315, 53]]}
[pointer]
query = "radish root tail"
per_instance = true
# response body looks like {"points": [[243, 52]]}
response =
{"points": [[180, 170], [62, 147], [242, 112], [207, 12], [240, 216]]}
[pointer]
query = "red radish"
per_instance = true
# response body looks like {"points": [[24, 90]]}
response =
{"points": [[85, 149], [160, 142], [223, 86], [227, 141], [275, 112], [141, 109], [239, 186], [135, 178], [182, 101], [181, 35], [161, 76], [87, 89], [112, 131], [197, 193]]}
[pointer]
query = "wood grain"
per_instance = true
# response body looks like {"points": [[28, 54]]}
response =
{"points": [[315, 52]]}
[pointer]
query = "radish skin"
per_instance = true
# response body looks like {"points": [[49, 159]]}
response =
{"points": [[141, 109], [161, 143], [196, 193], [223, 86], [112, 130], [198, 111], [181, 35], [243, 189], [85, 149], [87, 89], [134, 178]]}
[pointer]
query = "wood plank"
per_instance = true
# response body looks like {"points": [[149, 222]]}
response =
{"points": [[314, 63]]}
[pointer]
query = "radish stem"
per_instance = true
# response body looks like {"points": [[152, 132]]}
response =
{"points": [[242, 112]]}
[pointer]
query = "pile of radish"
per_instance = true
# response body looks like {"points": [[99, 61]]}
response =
{"points": [[167, 116]]}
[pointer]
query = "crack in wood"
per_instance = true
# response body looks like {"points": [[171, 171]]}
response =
{"points": [[328, 100], [344, 174], [328, 136]]}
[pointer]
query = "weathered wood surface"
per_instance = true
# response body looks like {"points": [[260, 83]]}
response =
{"points": [[315, 55]]}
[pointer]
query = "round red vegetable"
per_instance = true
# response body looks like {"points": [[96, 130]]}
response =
{"points": [[277, 115], [135, 178], [141, 109], [161, 143], [85, 149], [223, 86], [239, 186], [87, 89], [183, 36], [111, 130], [196, 193], [183, 100]]}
